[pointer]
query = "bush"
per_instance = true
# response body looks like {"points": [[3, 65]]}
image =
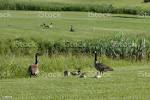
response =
{"points": [[47, 6], [120, 47]]}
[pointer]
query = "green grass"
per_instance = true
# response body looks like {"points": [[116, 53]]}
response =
{"points": [[26, 24], [124, 83], [116, 3], [105, 6], [128, 81], [16, 66]]}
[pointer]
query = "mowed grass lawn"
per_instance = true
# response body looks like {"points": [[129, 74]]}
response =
{"points": [[14, 24], [124, 83]]}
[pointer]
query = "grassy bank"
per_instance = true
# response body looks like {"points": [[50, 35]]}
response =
{"points": [[16, 66], [116, 47]]}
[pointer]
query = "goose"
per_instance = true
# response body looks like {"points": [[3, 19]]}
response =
{"points": [[66, 73], [83, 75], [75, 73], [100, 67], [33, 69], [71, 28]]}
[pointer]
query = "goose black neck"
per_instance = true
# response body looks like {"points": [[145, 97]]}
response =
{"points": [[36, 61], [95, 57]]}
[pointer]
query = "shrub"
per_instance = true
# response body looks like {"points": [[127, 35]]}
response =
{"points": [[52, 6], [120, 47]]}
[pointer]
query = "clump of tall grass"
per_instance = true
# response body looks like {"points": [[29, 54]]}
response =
{"points": [[116, 47], [16, 66], [12, 66]]}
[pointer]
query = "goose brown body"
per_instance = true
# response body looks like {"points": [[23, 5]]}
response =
{"points": [[33, 69], [100, 66]]}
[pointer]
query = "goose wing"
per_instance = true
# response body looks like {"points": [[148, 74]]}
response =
{"points": [[106, 68]]}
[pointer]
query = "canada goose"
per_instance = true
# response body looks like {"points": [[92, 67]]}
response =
{"points": [[71, 28], [100, 66], [44, 25], [66, 73], [82, 75], [74, 73], [33, 69], [51, 25]]}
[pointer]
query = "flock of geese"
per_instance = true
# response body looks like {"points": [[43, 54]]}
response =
{"points": [[48, 26], [33, 69]]}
